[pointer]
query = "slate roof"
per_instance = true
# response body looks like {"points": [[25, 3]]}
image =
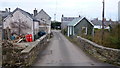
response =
{"points": [[44, 12], [68, 18], [77, 20], [4, 14], [99, 22], [25, 13]]}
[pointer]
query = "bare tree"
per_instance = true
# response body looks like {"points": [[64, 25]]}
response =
{"points": [[19, 26]]}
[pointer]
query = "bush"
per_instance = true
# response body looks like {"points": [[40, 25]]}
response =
{"points": [[89, 38], [64, 31], [111, 38], [115, 42]]}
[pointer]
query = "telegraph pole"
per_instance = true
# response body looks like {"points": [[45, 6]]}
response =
{"points": [[118, 31], [103, 17], [55, 21]]}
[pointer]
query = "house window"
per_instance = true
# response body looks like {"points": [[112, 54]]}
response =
{"points": [[84, 30]]}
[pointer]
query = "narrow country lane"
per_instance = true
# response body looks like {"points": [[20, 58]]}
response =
{"points": [[62, 52]]}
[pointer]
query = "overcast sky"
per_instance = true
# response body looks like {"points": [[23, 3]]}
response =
{"points": [[70, 8]]}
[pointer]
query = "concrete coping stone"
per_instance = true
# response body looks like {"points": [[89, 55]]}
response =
{"points": [[41, 38], [29, 48], [96, 45], [31, 45]]}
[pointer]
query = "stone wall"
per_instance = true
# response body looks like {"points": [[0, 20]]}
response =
{"points": [[102, 53], [0, 54], [26, 56], [31, 52]]}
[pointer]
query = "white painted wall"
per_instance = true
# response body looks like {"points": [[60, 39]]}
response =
{"points": [[100, 27]]}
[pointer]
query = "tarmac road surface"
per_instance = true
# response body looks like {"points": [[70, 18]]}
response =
{"points": [[61, 52]]}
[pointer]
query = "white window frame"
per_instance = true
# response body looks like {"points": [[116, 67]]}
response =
{"points": [[85, 30], [70, 30]]}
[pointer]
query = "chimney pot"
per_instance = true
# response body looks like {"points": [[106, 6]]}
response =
{"points": [[35, 12], [97, 19], [9, 9], [6, 9], [110, 20], [62, 15]]}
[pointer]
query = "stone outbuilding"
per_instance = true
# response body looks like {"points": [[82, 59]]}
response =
{"points": [[21, 22], [45, 20], [80, 26]]}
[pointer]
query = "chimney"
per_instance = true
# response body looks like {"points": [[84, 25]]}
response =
{"points": [[6, 9], [62, 15], [97, 19], [35, 12], [110, 20], [9, 9]]}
